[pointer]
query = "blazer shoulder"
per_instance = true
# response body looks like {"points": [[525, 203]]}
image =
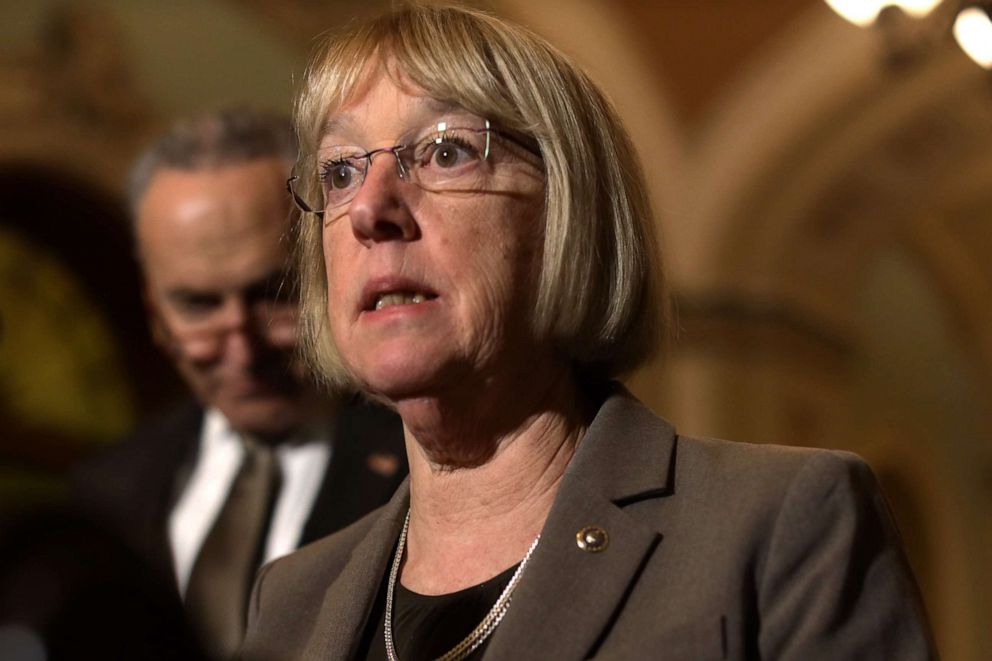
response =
{"points": [[128, 489], [171, 435], [759, 461], [759, 482], [136, 469]]}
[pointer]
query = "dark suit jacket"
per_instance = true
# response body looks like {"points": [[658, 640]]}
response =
{"points": [[133, 487], [716, 550]]}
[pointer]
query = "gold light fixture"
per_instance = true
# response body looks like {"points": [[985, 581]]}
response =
{"points": [[864, 12], [973, 32], [970, 21]]}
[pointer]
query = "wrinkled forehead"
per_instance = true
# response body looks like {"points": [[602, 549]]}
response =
{"points": [[350, 87], [386, 101], [397, 113]]}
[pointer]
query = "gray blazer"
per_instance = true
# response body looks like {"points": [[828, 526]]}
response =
{"points": [[716, 550]]}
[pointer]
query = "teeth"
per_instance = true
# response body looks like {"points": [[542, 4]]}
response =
{"points": [[398, 298]]}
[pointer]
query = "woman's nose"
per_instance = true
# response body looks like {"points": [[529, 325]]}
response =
{"points": [[380, 210]]}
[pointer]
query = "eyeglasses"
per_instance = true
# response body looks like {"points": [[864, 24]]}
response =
{"points": [[198, 321], [443, 158], [202, 339]]}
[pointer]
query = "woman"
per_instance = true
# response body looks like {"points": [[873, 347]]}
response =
{"points": [[478, 253]]}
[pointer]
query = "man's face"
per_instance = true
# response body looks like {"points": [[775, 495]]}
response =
{"points": [[214, 248]]}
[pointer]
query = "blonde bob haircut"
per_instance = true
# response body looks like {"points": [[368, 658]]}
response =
{"points": [[601, 294]]}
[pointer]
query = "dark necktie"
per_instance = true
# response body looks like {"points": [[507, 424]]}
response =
{"points": [[219, 585]]}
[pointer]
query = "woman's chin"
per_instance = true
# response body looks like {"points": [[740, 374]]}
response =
{"points": [[398, 382]]}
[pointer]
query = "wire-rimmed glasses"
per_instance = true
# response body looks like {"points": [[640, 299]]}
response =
{"points": [[443, 158], [197, 320]]}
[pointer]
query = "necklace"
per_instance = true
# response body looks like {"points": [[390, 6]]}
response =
{"points": [[481, 632]]}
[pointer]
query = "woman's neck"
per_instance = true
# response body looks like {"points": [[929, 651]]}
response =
{"points": [[479, 494]]}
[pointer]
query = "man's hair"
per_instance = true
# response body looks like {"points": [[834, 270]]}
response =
{"points": [[225, 137], [601, 293]]}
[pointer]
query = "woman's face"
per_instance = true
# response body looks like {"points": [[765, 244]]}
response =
{"points": [[431, 290]]}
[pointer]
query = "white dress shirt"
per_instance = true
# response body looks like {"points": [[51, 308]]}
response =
{"points": [[302, 461]]}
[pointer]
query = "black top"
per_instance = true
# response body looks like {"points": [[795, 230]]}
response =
{"points": [[426, 626]]}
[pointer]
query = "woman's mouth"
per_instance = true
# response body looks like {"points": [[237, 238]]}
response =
{"points": [[389, 299]]}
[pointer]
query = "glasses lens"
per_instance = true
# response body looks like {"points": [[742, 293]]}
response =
{"points": [[306, 200], [341, 171], [200, 334], [450, 156], [445, 158]]}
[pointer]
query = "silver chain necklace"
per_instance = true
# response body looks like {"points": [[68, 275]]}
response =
{"points": [[478, 635]]}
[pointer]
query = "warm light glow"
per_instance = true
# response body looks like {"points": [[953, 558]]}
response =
{"points": [[860, 12], [916, 8], [973, 31], [864, 12]]}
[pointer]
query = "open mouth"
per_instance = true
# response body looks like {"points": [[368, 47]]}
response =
{"points": [[390, 299]]}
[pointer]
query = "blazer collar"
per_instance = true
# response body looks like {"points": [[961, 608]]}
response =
{"points": [[350, 598], [567, 596], [628, 452]]}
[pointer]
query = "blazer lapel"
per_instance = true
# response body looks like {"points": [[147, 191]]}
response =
{"points": [[349, 600], [351, 487], [568, 596]]}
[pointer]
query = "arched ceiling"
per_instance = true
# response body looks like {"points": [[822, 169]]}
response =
{"points": [[697, 48], [779, 146], [692, 48]]}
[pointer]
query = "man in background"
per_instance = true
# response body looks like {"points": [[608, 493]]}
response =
{"points": [[260, 464]]}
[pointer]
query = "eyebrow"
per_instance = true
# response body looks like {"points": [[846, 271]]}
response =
{"points": [[430, 105]]}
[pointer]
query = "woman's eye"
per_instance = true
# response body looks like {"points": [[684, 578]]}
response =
{"points": [[446, 155], [337, 175], [341, 176], [450, 150]]}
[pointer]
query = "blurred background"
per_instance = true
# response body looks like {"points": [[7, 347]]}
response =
{"points": [[823, 188]]}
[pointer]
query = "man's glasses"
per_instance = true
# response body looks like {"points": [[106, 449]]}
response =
{"points": [[203, 339], [444, 158], [197, 322]]}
